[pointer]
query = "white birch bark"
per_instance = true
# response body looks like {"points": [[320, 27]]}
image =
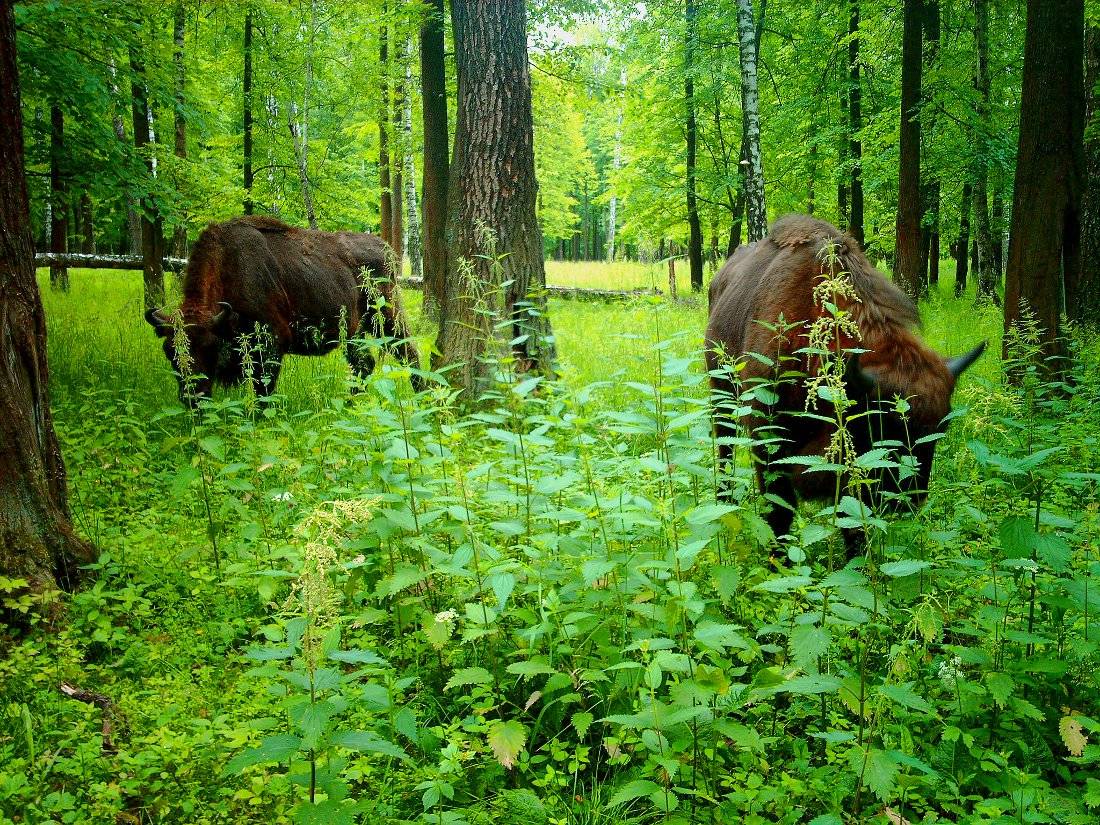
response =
{"points": [[271, 104], [411, 240], [750, 105]]}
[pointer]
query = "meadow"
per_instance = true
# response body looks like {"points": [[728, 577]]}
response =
{"points": [[372, 606]]}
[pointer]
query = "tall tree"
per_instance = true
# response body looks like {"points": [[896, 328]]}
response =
{"points": [[987, 281], [433, 91], [298, 120], [492, 192], [59, 198], [616, 165], [246, 85], [37, 541], [1045, 244], [385, 207], [412, 215], [962, 244], [855, 124], [1085, 298], [750, 106], [152, 223], [907, 257], [930, 186], [179, 22], [397, 196], [695, 232]]}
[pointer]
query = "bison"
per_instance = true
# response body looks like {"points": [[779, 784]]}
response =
{"points": [[257, 289], [761, 309]]}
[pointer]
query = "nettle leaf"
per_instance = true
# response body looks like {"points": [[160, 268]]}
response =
{"points": [[596, 569], [808, 643], [1001, 687], [826, 819], [366, 741], [529, 668], [507, 740], [357, 657], [1017, 537], [905, 567], [784, 584], [810, 685], [633, 790], [503, 584], [726, 581], [721, 636], [278, 748], [903, 695], [469, 676], [1054, 550], [1073, 735], [878, 769], [581, 723]]}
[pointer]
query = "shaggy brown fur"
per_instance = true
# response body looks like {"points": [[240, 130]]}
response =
{"points": [[296, 285], [774, 279]]}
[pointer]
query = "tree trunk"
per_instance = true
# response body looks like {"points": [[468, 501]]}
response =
{"points": [[385, 206], [179, 236], [695, 232], [491, 204], [750, 105], [37, 542], [855, 124], [246, 86], [616, 165], [412, 213], [59, 200], [152, 226], [299, 127], [397, 197], [842, 161], [962, 245], [433, 91], [1085, 303], [987, 282], [930, 187], [997, 230], [87, 225], [1045, 245], [907, 250]]}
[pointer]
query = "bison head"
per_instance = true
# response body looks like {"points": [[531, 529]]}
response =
{"points": [[882, 416], [198, 350]]}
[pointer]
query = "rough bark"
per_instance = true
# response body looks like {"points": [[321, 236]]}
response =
{"points": [[750, 104], [59, 198], [987, 281], [37, 541], [246, 89], [907, 257], [492, 192], [412, 214], [433, 91], [1045, 245], [1085, 305], [962, 245], [855, 124], [695, 232], [179, 21], [385, 206], [152, 224]]}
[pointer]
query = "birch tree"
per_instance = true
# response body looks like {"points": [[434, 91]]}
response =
{"points": [[756, 208], [412, 214]]}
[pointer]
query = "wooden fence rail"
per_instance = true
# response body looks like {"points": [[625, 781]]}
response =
{"points": [[84, 261]]}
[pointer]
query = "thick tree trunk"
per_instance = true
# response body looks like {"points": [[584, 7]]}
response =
{"points": [[433, 91], [1085, 303], [907, 258], [1045, 246], [59, 200], [299, 127], [855, 124], [37, 542], [246, 87], [385, 206], [179, 236], [750, 105], [152, 226], [987, 282], [695, 232], [491, 204], [412, 213], [962, 245]]}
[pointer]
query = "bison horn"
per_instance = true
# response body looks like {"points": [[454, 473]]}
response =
{"points": [[960, 363], [226, 308], [156, 317]]}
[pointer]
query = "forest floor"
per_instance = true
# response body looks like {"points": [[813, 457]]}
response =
{"points": [[378, 607]]}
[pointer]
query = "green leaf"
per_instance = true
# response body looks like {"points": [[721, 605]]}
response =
{"points": [[1018, 537], [784, 584], [325, 812], [905, 567], [596, 569], [368, 742], [726, 580], [1001, 686], [503, 584], [507, 740], [826, 819], [469, 676], [878, 769], [810, 685], [633, 790], [529, 668], [904, 696], [807, 643], [581, 723], [278, 748], [721, 636], [357, 657]]}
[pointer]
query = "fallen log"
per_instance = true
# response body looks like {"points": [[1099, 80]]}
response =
{"points": [[79, 260]]}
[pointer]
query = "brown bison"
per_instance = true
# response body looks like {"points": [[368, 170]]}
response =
{"points": [[762, 307], [257, 289]]}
